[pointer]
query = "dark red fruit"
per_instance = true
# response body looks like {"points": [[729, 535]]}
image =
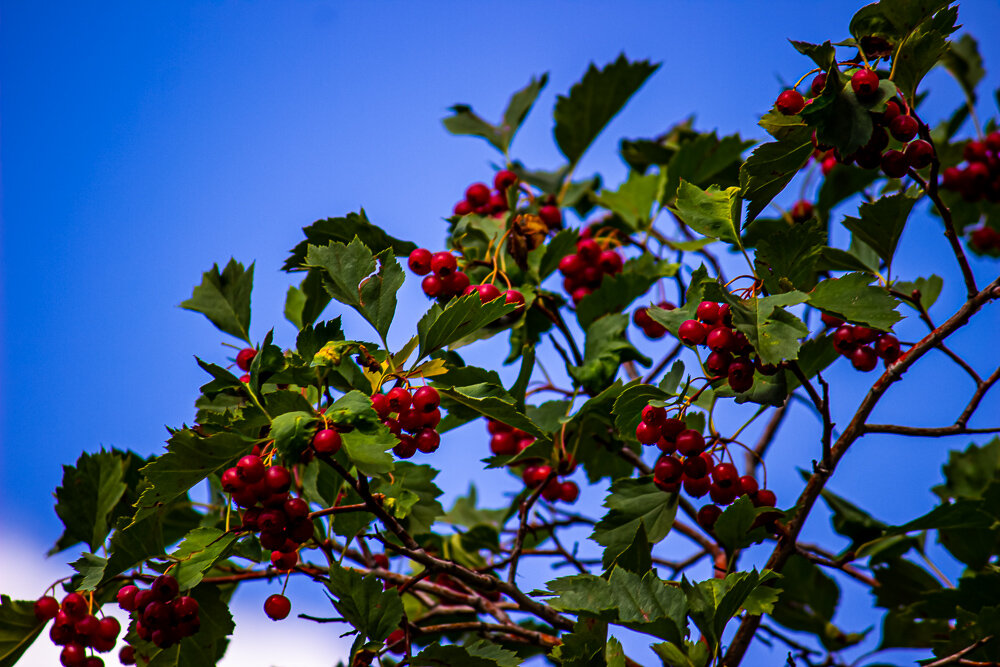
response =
{"points": [[610, 262], [278, 479], [127, 655], [284, 561], [717, 363], [720, 339], [503, 444], [707, 312], [671, 427], [326, 441], [432, 286], [569, 492], [399, 399], [653, 416], [74, 605], [571, 265], [725, 473], [646, 433], [708, 515], [73, 655], [748, 485], [722, 494], [864, 358], [46, 608], [690, 442], [764, 498], [831, 321], [277, 607], [245, 357], [426, 399], [420, 261], [462, 208], [864, 82], [740, 375], [477, 194], [503, 179], [790, 102], [696, 486], [696, 467], [894, 163], [534, 476], [407, 446], [801, 211], [443, 263], [668, 469], [488, 292], [919, 154], [251, 469], [108, 628], [126, 597], [165, 588], [975, 151], [817, 85], [551, 216], [87, 626], [843, 339], [887, 347], [692, 332], [588, 250], [427, 440], [903, 128], [892, 110], [514, 297]]}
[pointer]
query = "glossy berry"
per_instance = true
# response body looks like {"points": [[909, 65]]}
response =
{"points": [[690, 442], [843, 339], [454, 283], [46, 608], [245, 357], [647, 434], [488, 292], [864, 82], [692, 332], [380, 403], [894, 163], [504, 179], [399, 399], [551, 216], [790, 102], [919, 154], [748, 485], [696, 486], [284, 561], [443, 263], [432, 285], [73, 655], [278, 479], [250, 469], [569, 492], [407, 446], [534, 476], [653, 415], [477, 194], [725, 473], [326, 441], [904, 127], [165, 588], [817, 85], [588, 250], [74, 605], [108, 628], [426, 399], [427, 440], [462, 208], [717, 363], [707, 312], [740, 375], [764, 498], [668, 469], [610, 262], [708, 515], [420, 261], [864, 358], [887, 347], [277, 607], [720, 339], [672, 427], [892, 110]]}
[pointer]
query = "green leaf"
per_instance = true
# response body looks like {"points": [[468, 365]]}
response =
{"points": [[207, 646], [478, 654], [520, 105], [188, 460], [492, 401], [772, 330], [560, 245], [808, 602], [583, 594], [851, 298], [771, 167], [631, 503], [634, 199], [594, 101], [369, 452], [362, 602], [647, 604], [305, 303], [922, 50], [893, 18], [929, 288], [786, 259], [606, 348], [851, 521], [705, 160], [629, 405], [713, 603], [842, 182], [585, 646], [412, 495], [616, 292], [89, 493], [440, 327], [712, 212], [18, 629], [839, 118], [201, 549], [312, 338], [963, 61], [735, 526], [292, 433], [368, 283], [969, 473], [824, 55], [91, 570], [881, 223], [224, 298], [464, 121], [344, 230]]}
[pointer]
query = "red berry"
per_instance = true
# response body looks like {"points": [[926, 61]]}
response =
{"points": [[610, 262], [534, 476], [127, 655], [817, 85], [569, 492], [73, 655], [919, 154], [427, 440], [426, 399], [904, 127], [420, 261], [864, 82], [432, 286], [250, 469], [580, 294], [278, 480], [894, 163], [284, 561], [503, 179], [641, 318], [790, 102], [975, 151], [668, 469], [690, 442], [462, 208], [717, 363], [74, 605], [399, 399], [764, 498], [653, 416], [887, 347], [720, 339], [725, 473], [864, 334], [802, 211], [647, 434], [295, 508], [407, 446], [722, 495], [588, 250], [551, 216], [488, 292], [740, 375], [831, 321], [498, 203], [454, 283], [748, 485], [503, 444], [380, 403], [696, 486], [708, 515], [46, 608], [672, 427], [326, 441], [477, 194], [245, 357], [443, 263], [571, 265], [892, 110], [828, 165], [864, 358], [277, 607], [843, 339], [707, 312], [692, 332]]}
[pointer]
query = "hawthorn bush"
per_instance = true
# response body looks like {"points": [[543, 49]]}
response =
{"points": [[307, 453]]}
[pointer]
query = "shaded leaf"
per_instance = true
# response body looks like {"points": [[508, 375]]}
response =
{"points": [[87, 497], [224, 298], [634, 199], [712, 212], [631, 503], [462, 316], [771, 167], [851, 298], [881, 223], [344, 230], [616, 292], [201, 549], [361, 601], [18, 629]]}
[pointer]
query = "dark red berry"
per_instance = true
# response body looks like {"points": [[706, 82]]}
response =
{"points": [[864, 358], [647, 434], [690, 442], [245, 357], [708, 515], [380, 403], [399, 399], [764, 498], [817, 85], [477, 194], [432, 286], [534, 476], [126, 597], [443, 264], [73, 655], [108, 628], [894, 163], [720, 339], [420, 261], [610, 262], [904, 127], [717, 363], [740, 375], [919, 154], [127, 655], [46, 608], [426, 399], [696, 467], [707, 312], [571, 265], [653, 416], [514, 297], [892, 110], [427, 440], [843, 339], [864, 82], [588, 250], [250, 469], [503, 179], [668, 469], [551, 216], [725, 473], [277, 607], [696, 487], [74, 605], [295, 508], [692, 332], [569, 492], [748, 485], [406, 448], [278, 480], [671, 427], [165, 587], [790, 102], [801, 211], [887, 347], [284, 561], [326, 441], [488, 292], [462, 208], [975, 151], [455, 283]]}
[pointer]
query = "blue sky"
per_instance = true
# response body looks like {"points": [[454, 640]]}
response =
{"points": [[141, 142]]}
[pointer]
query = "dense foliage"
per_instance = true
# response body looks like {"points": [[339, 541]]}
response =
{"points": [[306, 457]]}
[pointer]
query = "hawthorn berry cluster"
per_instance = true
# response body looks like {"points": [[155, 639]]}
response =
{"points": [[446, 280], [980, 177], [730, 349], [506, 440], [162, 616], [864, 346], [896, 121], [418, 414], [479, 199], [651, 328], [76, 628], [584, 270]]}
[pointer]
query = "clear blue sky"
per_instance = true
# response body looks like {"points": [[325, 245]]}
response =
{"points": [[141, 142]]}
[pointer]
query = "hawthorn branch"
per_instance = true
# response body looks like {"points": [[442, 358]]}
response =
{"points": [[956, 658], [855, 429], [849, 570], [525, 509]]}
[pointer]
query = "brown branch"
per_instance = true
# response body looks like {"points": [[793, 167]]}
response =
{"points": [[522, 529], [849, 570], [956, 658], [360, 507], [536, 637], [855, 429]]}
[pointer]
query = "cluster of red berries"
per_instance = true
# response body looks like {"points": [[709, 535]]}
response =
{"points": [[76, 629], [445, 279], [243, 360], [418, 414], [913, 153], [479, 199], [980, 178], [730, 356], [985, 240], [651, 328], [162, 616], [282, 520], [506, 440], [864, 346], [584, 270]]}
